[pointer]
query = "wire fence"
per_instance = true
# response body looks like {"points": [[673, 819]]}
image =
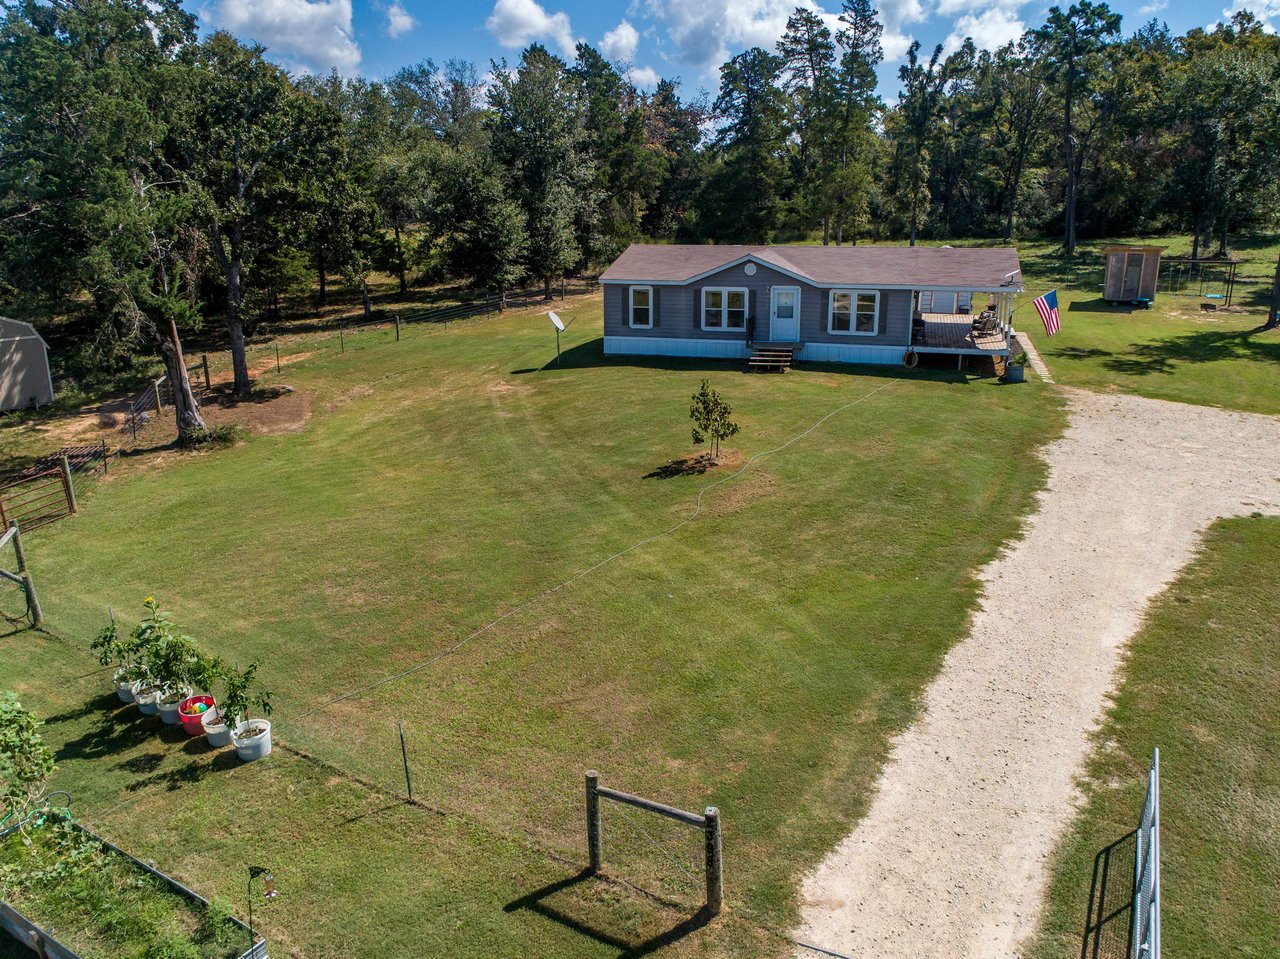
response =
{"points": [[1146, 885], [1123, 920]]}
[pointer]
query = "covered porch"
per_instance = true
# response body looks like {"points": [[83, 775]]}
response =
{"points": [[985, 331]]}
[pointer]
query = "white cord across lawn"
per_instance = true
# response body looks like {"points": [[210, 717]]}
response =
{"points": [[697, 510]]}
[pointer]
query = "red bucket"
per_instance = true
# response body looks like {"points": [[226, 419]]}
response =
{"points": [[191, 716]]}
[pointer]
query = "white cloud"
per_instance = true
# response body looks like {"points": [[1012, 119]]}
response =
{"points": [[517, 23], [706, 33], [991, 23], [896, 14], [1155, 6], [620, 43], [646, 78], [1264, 10], [399, 20], [312, 35]]}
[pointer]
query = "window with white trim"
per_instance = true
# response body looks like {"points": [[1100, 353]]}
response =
{"points": [[641, 314], [724, 308], [854, 312]]}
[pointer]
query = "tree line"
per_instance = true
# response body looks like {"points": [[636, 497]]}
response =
{"points": [[150, 179]]}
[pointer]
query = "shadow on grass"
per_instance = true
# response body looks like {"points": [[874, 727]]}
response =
{"points": [[1079, 353], [689, 466], [536, 901], [120, 729], [1099, 305], [1210, 346]]}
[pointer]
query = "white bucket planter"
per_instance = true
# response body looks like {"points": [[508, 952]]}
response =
{"points": [[215, 730], [169, 711], [124, 690], [255, 746], [147, 701]]}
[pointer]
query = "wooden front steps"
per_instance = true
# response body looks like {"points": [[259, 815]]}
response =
{"points": [[771, 357]]}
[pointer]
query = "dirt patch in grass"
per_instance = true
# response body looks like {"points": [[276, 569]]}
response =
{"points": [[741, 492], [270, 411], [347, 397]]}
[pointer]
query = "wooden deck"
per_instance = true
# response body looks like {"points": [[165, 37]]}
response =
{"points": [[946, 332]]}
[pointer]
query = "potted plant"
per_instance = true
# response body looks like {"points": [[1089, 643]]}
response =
{"points": [[113, 651], [251, 737], [191, 711], [1015, 367], [172, 661]]}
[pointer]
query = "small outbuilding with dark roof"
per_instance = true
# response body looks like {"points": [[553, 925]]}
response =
{"points": [[852, 304], [25, 379]]}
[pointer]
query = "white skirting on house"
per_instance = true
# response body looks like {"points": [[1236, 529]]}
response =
{"points": [[737, 349], [851, 353], [673, 346]]}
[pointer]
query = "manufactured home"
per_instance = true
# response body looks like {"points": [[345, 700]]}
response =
{"points": [[844, 304]]}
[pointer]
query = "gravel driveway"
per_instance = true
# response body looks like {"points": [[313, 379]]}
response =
{"points": [[951, 859]]}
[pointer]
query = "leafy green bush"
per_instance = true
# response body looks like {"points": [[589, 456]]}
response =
{"points": [[25, 761]]}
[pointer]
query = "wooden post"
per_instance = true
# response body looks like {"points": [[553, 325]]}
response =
{"points": [[404, 755], [593, 820], [155, 386], [29, 587], [66, 483], [277, 357], [715, 862], [397, 327], [204, 361], [106, 457], [1273, 314], [342, 343]]}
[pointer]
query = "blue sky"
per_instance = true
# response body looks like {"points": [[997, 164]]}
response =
{"points": [[685, 39]]}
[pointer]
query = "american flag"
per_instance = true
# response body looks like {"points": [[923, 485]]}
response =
{"points": [[1047, 307]]}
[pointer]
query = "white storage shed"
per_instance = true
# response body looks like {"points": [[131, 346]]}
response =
{"points": [[25, 379]]}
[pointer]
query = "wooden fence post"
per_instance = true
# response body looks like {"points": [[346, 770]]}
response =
{"points": [[397, 327], [66, 483], [715, 862], [1273, 314], [593, 820], [29, 587], [106, 457], [155, 386], [204, 361]]}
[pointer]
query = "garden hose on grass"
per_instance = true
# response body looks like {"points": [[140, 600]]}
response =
{"points": [[37, 817]]}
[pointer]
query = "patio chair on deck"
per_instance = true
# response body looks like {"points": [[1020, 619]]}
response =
{"points": [[986, 323]]}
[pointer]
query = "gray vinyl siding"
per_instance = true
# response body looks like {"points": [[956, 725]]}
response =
{"points": [[677, 310]]}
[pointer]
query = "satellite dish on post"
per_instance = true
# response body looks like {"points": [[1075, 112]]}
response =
{"points": [[560, 326]]}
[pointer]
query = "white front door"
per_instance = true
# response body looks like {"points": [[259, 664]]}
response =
{"points": [[784, 314]]}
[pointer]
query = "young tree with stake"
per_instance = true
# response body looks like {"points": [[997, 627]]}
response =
{"points": [[710, 415]]}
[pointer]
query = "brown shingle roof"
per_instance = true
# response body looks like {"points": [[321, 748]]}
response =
{"points": [[920, 266]]}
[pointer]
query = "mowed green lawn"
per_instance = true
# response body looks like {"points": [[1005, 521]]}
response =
{"points": [[1200, 683], [1173, 351], [758, 658]]}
